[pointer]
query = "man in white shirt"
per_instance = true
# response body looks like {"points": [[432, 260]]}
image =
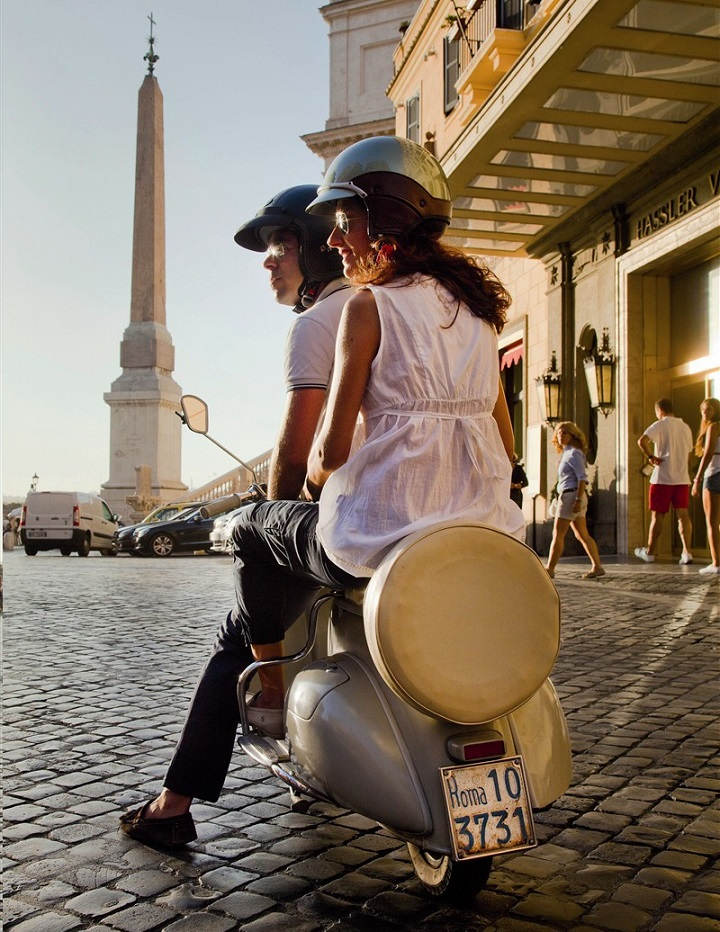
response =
{"points": [[305, 275], [667, 443]]}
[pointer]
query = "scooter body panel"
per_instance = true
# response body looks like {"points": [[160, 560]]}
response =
{"points": [[540, 734]]}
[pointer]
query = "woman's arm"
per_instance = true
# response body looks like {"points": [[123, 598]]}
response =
{"points": [[711, 436], [502, 418], [357, 344]]}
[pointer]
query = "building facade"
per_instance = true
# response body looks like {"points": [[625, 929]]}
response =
{"points": [[363, 35], [582, 144]]}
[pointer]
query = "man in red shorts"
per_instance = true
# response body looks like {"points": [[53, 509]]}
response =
{"points": [[667, 444]]}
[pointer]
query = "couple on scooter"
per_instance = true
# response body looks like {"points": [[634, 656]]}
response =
{"points": [[416, 431]]}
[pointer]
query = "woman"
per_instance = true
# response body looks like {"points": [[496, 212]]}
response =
{"points": [[707, 478], [416, 357], [569, 440]]}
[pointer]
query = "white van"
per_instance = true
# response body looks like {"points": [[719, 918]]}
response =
{"points": [[68, 521]]}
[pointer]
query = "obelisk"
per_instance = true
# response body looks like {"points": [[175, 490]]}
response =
{"points": [[144, 430]]}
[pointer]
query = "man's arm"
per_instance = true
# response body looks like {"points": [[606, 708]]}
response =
{"points": [[647, 446], [289, 459]]}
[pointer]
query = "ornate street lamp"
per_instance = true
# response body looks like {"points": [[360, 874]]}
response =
{"points": [[548, 389], [600, 375], [34, 482]]}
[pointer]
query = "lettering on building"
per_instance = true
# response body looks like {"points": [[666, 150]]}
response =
{"points": [[670, 210]]}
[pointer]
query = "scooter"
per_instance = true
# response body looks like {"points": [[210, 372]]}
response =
{"points": [[424, 702]]}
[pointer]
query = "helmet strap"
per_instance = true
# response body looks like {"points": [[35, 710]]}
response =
{"points": [[307, 295]]}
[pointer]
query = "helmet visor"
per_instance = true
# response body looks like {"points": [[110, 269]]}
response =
{"points": [[329, 194]]}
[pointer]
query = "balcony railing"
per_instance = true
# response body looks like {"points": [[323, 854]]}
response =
{"points": [[480, 23]]}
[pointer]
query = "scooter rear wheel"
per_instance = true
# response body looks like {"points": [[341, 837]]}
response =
{"points": [[441, 876]]}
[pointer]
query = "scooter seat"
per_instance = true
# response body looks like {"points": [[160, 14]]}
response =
{"points": [[462, 621]]}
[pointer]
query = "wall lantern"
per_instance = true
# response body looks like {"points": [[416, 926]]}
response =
{"points": [[548, 389], [600, 375]]}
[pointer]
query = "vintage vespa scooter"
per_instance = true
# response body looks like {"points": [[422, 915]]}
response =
{"points": [[426, 704]]}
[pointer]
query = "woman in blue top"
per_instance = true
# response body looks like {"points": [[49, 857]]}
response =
{"points": [[569, 440]]}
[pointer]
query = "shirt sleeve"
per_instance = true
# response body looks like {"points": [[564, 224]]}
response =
{"points": [[577, 461], [309, 354], [653, 430]]}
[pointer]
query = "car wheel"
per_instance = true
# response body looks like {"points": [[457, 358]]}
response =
{"points": [[441, 876], [112, 552], [66, 551], [162, 545], [30, 549], [84, 548]]}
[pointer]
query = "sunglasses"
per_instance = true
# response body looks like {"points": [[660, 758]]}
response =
{"points": [[344, 223], [278, 250]]}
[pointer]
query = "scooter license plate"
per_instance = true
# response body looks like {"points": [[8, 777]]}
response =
{"points": [[488, 807]]}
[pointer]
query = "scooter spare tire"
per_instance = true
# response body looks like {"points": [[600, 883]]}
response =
{"points": [[462, 622], [441, 876]]}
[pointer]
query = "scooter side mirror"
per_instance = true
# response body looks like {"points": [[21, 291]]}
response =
{"points": [[195, 413]]}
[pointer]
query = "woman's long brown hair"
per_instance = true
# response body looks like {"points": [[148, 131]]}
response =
{"points": [[467, 280]]}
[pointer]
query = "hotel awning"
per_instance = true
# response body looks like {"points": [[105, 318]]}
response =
{"points": [[600, 92]]}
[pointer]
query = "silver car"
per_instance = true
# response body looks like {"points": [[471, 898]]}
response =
{"points": [[222, 531]]}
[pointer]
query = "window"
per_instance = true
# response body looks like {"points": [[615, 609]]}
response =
{"points": [[412, 126], [451, 64]]}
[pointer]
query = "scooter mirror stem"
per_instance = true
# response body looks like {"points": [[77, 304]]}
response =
{"points": [[237, 460]]}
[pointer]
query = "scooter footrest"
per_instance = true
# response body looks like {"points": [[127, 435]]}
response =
{"points": [[264, 750]]}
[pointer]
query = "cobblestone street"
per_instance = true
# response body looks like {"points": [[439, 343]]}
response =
{"points": [[101, 657]]}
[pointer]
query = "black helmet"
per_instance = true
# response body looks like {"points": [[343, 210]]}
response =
{"points": [[401, 185], [286, 211]]}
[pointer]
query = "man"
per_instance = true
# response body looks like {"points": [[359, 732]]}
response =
{"points": [[305, 275], [667, 444]]}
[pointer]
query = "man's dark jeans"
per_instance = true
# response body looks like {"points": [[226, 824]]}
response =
{"points": [[279, 566]]}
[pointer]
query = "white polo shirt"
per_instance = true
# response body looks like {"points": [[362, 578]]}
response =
{"points": [[673, 442], [310, 346]]}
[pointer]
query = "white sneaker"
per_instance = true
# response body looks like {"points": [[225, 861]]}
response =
{"points": [[642, 554], [685, 558], [710, 570]]}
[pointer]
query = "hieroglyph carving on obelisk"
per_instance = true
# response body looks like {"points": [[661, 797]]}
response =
{"points": [[144, 430]]}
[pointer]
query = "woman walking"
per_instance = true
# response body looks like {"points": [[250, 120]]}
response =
{"points": [[707, 478], [569, 440]]}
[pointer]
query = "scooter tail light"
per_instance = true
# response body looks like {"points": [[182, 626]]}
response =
{"points": [[23, 516], [487, 744], [482, 750], [76, 516]]}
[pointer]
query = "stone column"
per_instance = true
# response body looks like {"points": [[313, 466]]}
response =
{"points": [[143, 400]]}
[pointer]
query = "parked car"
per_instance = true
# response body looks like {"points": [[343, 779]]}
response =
{"points": [[187, 532], [124, 542], [68, 521], [222, 531]]}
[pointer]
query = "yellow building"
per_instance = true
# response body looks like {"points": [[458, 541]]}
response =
{"points": [[582, 144]]}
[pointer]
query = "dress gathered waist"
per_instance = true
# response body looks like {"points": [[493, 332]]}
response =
{"points": [[429, 413]]}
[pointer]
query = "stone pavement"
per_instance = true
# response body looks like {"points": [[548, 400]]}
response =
{"points": [[100, 660]]}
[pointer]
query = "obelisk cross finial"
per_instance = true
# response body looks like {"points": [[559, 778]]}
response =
{"points": [[150, 57]]}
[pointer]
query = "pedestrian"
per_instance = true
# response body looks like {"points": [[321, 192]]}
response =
{"points": [[571, 503], [518, 481], [707, 478], [416, 354], [667, 443]]}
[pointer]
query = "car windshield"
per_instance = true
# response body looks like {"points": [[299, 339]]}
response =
{"points": [[167, 514]]}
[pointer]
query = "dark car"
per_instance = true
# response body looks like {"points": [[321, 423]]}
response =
{"points": [[123, 537], [190, 531]]}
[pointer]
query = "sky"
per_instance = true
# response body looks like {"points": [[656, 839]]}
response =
{"points": [[241, 80]]}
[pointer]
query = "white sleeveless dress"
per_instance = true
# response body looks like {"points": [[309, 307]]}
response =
{"points": [[426, 448]]}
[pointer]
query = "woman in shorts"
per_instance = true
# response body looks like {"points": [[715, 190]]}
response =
{"points": [[707, 478], [569, 440]]}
